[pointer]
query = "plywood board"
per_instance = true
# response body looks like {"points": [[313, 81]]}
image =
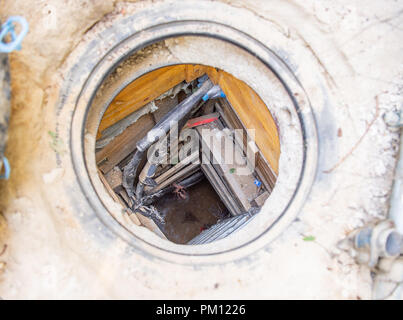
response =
{"points": [[226, 197], [261, 198], [263, 169], [164, 106], [194, 71], [253, 113], [251, 110], [142, 91], [241, 185], [145, 221]]}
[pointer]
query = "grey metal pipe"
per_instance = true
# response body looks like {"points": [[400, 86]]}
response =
{"points": [[174, 115]]}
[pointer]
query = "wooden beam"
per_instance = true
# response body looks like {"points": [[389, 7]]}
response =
{"points": [[194, 71], [142, 91], [226, 197], [164, 106], [261, 198], [254, 114], [191, 168], [116, 198], [262, 167], [242, 98], [177, 167], [125, 143], [207, 118], [146, 222]]}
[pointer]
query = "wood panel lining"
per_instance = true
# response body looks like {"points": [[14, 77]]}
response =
{"points": [[140, 92]]}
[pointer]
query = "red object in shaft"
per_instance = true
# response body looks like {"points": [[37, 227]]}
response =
{"points": [[200, 122]]}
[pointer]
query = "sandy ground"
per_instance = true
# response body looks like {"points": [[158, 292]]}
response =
{"points": [[37, 262]]}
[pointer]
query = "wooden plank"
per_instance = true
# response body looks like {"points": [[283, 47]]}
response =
{"points": [[230, 118], [252, 112], [194, 122], [261, 165], [109, 189], [261, 198], [194, 71], [255, 115], [119, 148], [164, 106], [252, 152], [116, 198], [214, 74], [240, 95], [116, 129], [219, 186], [176, 168], [145, 221], [140, 92], [241, 185], [210, 172], [191, 168], [114, 178], [136, 217]]}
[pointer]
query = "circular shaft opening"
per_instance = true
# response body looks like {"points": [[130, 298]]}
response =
{"points": [[190, 152]]}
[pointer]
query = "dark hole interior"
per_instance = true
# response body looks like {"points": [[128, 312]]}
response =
{"points": [[187, 217]]}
